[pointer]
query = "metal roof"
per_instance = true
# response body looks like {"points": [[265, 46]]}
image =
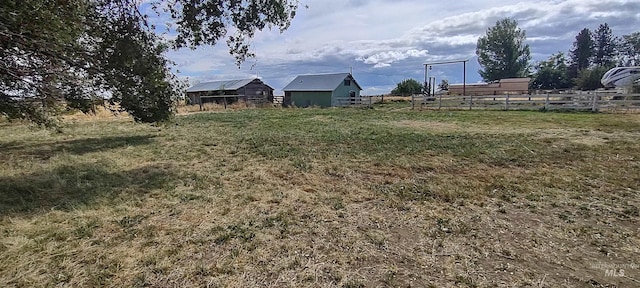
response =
{"points": [[226, 85], [320, 82], [511, 80]]}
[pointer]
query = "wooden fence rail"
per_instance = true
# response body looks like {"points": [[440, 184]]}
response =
{"points": [[592, 101]]}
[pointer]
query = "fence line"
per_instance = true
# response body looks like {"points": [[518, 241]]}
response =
{"points": [[594, 101]]}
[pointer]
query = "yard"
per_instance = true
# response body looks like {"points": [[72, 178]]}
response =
{"points": [[384, 197]]}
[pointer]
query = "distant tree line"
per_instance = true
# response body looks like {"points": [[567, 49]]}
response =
{"points": [[593, 54], [407, 87], [502, 53]]}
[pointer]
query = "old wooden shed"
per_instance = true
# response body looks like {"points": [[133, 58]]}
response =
{"points": [[250, 90]]}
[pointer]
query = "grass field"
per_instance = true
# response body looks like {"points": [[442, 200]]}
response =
{"points": [[384, 197]]}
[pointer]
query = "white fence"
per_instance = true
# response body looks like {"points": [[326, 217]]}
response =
{"points": [[594, 101]]}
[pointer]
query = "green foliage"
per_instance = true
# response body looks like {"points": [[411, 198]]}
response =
{"points": [[582, 52], [444, 85], [37, 48], [130, 60], [589, 79], [630, 49], [502, 52], [76, 51], [407, 87], [552, 73], [604, 46], [204, 22]]}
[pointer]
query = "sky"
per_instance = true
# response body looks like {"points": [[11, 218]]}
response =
{"points": [[386, 41]]}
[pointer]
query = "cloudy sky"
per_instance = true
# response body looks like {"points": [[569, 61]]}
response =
{"points": [[386, 41]]}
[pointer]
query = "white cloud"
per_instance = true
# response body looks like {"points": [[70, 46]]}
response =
{"points": [[386, 58], [386, 41]]}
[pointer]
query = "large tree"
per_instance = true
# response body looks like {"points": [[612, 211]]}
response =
{"points": [[582, 53], [73, 51], [407, 87], [502, 52], [630, 49], [604, 46], [552, 73]]}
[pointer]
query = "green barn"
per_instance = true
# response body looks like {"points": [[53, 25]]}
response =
{"points": [[324, 90]]}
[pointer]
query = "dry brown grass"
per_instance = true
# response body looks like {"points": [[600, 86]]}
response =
{"points": [[213, 107], [101, 114], [323, 198]]}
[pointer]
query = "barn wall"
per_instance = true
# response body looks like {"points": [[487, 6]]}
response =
{"points": [[256, 91], [193, 97], [311, 98], [342, 93], [255, 88], [286, 100]]}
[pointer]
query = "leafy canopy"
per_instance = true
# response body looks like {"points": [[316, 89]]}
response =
{"points": [[552, 73], [407, 87], [444, 85], [502, 52], [630, 49], [80, 51], [589, 79]]}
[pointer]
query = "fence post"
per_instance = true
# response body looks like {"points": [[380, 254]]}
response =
{"points": [[412, 101], [370, 101], [594, 102], [546, 102], [439, 101], [506, 103], [470, 101]]}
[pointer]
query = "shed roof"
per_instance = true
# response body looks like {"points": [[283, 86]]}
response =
{"points": [[225, 85], [496, 82], [511, 80], [318, 82]]}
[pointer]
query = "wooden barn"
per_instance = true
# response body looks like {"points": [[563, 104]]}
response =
{"points": [[500, 87], [324, 90], [228, 91]]}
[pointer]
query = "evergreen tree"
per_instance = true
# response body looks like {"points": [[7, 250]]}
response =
{"points": [[582, 53], [605, 46], [502, 52]]}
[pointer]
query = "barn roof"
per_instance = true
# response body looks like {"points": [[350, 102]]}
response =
{"points": [[319, 82], [226, 85]]}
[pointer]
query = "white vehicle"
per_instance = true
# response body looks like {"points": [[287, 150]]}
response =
{"points": [[621, 77]]}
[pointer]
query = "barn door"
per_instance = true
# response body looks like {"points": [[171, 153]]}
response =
{"points": [[286, 102], [352, 98]]}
